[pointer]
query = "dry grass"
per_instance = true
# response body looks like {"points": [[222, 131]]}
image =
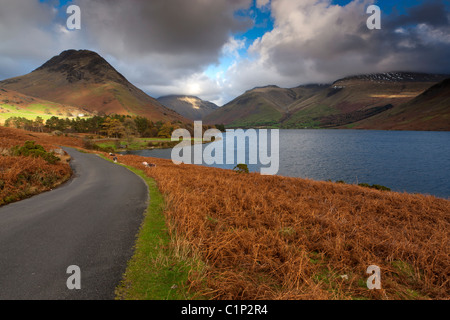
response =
{"points": [[22, 177], [268, 237]]}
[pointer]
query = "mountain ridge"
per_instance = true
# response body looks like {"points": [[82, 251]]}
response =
{"points": [[343, 104]]}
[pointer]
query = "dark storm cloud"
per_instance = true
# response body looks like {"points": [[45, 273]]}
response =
{"points": [[417, 41], [195, 28], [31, 32], [19, 21]]}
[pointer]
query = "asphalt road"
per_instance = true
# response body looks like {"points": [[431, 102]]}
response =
{"points": [[91, 221]]}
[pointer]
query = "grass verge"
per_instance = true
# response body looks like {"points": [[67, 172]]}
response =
{"points": [[160, 266]]}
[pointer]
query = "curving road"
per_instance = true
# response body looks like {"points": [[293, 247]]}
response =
{"points": [[91, 222]]}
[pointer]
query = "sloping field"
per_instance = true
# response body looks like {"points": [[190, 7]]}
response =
{"points": [[10, 137], [15, 104], [265, 237]]}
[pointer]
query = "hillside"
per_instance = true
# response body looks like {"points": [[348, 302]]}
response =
{"points": [[429, 111], [189, 107], [262, 106], [353, 99], [344, 104], [15, 104], [272, 237], [84, 79]]}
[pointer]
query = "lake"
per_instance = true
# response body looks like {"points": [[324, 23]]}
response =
{"points": [[411, 161]]}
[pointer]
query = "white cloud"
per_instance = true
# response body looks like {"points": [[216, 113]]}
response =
{"points": [[232, 47], [262, 3]]}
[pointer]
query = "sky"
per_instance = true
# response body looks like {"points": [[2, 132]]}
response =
{"points": [[218, 49]]}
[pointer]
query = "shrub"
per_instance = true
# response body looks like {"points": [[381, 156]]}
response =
{"points": [[382, 188], [241, 168], [375, 186], [220, 127], [90, 145], [31, 149]]}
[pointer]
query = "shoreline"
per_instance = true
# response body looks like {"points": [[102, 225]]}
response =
{"points": [[360, 184]]}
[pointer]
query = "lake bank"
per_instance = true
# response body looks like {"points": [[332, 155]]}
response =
{"points": [[405, 161], [271, 237]]}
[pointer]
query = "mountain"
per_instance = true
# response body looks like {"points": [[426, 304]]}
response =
{"points": [[343, 104], [261, 106], [428, 111], [190, 107], [84, 79]]}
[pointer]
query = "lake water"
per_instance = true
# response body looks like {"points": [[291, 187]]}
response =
{"points": [[411, 161]]}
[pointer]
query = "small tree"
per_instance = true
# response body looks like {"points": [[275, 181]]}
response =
{"points": [[220, 127], [166, 130], [241, 168], [38, 124], [113, 128], [130, 129]]}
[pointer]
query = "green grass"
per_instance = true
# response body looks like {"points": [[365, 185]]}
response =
{"points": [[14, 111], [308, 117], [263, 116], [137, 144], [159, 269], [351, 126], [32, 111]]}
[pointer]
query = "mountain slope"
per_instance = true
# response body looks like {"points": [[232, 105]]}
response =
{"points": [[344, 104], [15, 104], [263, 106], [84, 79], [189, 107], [355, 98], [428, 111]]}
